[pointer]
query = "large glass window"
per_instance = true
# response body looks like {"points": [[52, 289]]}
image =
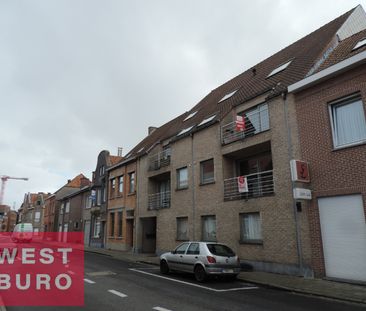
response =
{"points": [[120, 184], [251, 228], [37, 216], [182, 178], [132, 182], [182, 228], [67, 207], [256, 120], [348, 122], [97, 228], [207, 171], [209, 228], [113, 187], [181, 249]]}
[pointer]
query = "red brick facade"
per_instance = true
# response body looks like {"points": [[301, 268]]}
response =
{"points": [[333, 171]]}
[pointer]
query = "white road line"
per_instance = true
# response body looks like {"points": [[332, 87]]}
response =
{"points": [[195, 285], [89, 281], [112, 291], [160, 309]]}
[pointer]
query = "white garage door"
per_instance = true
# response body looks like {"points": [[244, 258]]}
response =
{"points": [[343, 228]]}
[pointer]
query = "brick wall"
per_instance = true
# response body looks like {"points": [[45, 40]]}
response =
{"points": [[333, 172]]}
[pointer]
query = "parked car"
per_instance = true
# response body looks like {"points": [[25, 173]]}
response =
{"points": [[203, 259], [22, 233]]}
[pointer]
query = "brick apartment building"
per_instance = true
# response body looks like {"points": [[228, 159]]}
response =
{"points": [[221, 171], [8, 218], [121, 205], [332, 103]]}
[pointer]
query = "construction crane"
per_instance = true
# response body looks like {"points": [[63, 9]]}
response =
{"points": [[4, 179]]}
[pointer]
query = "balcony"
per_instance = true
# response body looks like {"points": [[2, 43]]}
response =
{"points": [[259, 185], [256, 121], [159, 200], [159, 160]]}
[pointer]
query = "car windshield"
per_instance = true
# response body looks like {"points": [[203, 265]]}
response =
{"points": [[220, 250]]}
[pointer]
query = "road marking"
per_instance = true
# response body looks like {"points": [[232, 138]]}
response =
{"points": [[89, 281], [112, 291], [195, 285], [160, 309]]}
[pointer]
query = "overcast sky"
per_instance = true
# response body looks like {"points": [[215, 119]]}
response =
{"points": [[80, 76]]}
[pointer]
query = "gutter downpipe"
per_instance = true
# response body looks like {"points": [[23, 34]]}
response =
{"points": [[290, 156], [193, 192], [135, 248]]}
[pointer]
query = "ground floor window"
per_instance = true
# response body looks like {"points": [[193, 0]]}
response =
{"points": [[251, 227], [182, 228], [209, 228], [119, 224], [111, 228]]}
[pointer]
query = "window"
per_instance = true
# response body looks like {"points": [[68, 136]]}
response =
{"points": [[359, 44], [67, 207], [251, 230], [209, 119], [101, 170], [182, 178], [104, 194], [113, 187], [111, 229], [191, 115], [348, 122], [120, 184], [227, 96], [209, 228], [76, 225], [88, 202], [62, 208], [96, 232], [37, 216], [99, 197], [256, 120], [181, 249], [182, 228], [193, 249], [132, 182], [185, 130], [119, 224], [207, 171], [279, 68]]}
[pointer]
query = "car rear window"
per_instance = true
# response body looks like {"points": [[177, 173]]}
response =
{"points": [[220, 250]]}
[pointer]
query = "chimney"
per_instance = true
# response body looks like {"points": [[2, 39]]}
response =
{"points": [[152, 129], [119, 151]]}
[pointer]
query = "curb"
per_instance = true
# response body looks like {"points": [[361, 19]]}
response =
{"points": [[306, 292]]}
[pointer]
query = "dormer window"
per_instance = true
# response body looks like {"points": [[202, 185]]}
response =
{"points": [[190, 116], [279, 69], [360, 44], [185, 131], [227, 96], [207, 120]]}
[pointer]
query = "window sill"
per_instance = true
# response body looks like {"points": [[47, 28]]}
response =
{"points": [[132, 193], [363, 142], [180, 189], [207, 183], [251, 242]]}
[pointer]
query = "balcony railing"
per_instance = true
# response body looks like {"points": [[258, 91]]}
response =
{"points": [[159, 200], [159, 160], [255, 122], [260, 184]]}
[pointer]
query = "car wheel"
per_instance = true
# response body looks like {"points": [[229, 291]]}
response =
{"points": [[200, 273], [164, 268]]}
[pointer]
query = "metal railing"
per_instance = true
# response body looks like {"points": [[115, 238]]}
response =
{"points": [[255, 122], [159, 160], [259, 185], [159, 200]]}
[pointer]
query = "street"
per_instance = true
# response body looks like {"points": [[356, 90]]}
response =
{"points": [[112, 284]]}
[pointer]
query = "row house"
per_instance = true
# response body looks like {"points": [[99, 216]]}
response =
{"points": [[98, 212], [121, 205], [8, 218], [32, 210], [221, 171], [332, 103]]}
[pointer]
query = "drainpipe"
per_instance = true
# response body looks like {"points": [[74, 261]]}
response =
{"points": [[296, 217], [136, 220], [193, 191]]}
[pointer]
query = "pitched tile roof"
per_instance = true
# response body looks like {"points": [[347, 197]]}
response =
{"points": [[115, 159], [76, 181], [303, 54]]}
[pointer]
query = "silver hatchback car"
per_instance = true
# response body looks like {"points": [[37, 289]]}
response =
{"points": [[203, 259]]}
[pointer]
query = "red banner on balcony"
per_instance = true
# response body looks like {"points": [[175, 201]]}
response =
{"points": [[242, 184], [240, 123], [42, 269]]}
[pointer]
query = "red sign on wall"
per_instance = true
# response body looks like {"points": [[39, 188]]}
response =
{"points": [[300, 171]]}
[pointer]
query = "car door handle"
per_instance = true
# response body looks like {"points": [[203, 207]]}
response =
{"points": [[181, 256], [196, 257]]}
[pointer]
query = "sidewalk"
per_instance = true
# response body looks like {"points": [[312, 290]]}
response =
{"points": [[316, 287]]}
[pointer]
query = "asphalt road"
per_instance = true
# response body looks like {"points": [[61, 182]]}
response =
{"points": [[111, 284]]}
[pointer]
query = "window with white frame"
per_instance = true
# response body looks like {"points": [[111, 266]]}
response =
{"points": [[182, 228], [67, 207], [348, 122], [113, 187], [96, 232], [209, 228], [37, 216], [251, 227], [120, 184], [132, 182], [182, 178], [207, 172], [99, 197]]}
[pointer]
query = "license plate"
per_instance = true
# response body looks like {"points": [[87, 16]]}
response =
{"points": [[227, 270]]}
